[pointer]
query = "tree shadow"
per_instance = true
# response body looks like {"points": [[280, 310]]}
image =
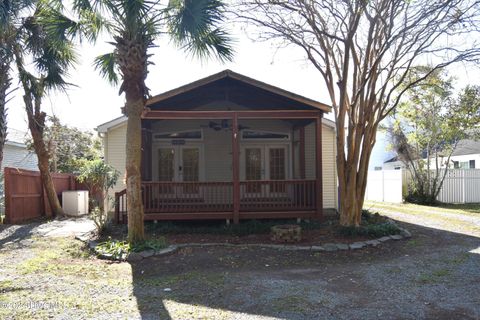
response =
{"points": [[242, 282], [15, 234]]}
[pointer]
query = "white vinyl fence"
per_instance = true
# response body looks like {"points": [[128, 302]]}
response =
{"points": [[459, 186]]}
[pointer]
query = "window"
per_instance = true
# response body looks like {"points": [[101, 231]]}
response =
{"points": [[464, 164], [262, 135], [185, 135]]}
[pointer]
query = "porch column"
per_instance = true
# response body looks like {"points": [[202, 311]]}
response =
{"points": [[318, 167], [302, 152], [235, 169]]}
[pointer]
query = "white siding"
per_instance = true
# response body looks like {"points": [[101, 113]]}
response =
{"points": [[114, 144], [328, 162], [19, 157]]}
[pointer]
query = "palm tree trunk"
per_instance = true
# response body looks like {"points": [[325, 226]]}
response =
{"points": [[5, 82], [134, 107]]}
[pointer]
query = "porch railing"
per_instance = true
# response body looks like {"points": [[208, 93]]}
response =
{"points": [[217, 197]]}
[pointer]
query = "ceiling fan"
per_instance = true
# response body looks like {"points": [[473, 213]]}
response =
{"points": [[222, 125]]}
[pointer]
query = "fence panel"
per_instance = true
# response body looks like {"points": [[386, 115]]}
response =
{"points": [[25, 198], [459, 186], [385, 186]]}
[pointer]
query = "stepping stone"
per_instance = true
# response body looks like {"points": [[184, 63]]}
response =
{"points": [[384, 239], [396, 237], [372, 242], [357, 245], [330, 247], [342, 246], [317, 248], [147, 253]]}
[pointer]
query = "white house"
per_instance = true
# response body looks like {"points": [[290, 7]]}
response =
{"points": [[16, 153], [229, 146]]}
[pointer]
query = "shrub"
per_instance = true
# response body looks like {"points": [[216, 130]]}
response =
{"points": [[99, 178], [119, 250], [373, 230]]}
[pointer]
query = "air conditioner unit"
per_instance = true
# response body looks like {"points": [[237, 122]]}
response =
{"points": [[75, 202]]}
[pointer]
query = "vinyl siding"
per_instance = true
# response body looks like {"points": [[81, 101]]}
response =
{"points": [[19, 157], [114, 148], [328, 162]]}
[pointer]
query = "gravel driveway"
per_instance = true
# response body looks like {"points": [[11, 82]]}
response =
{"points": [[434, 275]]}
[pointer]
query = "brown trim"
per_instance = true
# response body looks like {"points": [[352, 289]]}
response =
{"points": [[239, 77], [188, 216], [301, 150], [259, 114], [235, 169], [319, 167]]}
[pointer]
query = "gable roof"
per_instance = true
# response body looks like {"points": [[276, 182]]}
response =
{"points": [[466, 146], [230, 75]]}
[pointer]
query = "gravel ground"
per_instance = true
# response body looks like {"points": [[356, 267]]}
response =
{"points": [[433, 275]]}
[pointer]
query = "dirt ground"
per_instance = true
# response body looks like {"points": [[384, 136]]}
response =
{"points": [[433, 275]]}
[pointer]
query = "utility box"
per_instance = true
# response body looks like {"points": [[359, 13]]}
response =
{"points": [[75, 203]]}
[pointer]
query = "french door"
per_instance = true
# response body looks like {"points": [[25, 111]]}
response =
{"points": [[265, 163], [179, 164]]}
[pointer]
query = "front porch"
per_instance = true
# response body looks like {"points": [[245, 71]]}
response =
{"points": [[175, 187], [231, 147]]}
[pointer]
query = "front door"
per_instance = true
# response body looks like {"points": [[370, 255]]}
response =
{"points": [[179, 164], [265, 163]]}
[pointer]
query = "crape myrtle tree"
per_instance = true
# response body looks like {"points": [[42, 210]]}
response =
{"points": [[364, 51], [427, 127], [134, 25]]}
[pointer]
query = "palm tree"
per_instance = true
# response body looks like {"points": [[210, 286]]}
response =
{"points": [[134, 25], [41, 60]]}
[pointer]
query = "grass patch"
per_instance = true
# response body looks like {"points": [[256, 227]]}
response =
{"points": [[433, 277], [192, 277], [219, 227]]}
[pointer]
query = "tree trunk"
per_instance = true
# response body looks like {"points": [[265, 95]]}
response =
{"points": [[134, 108], [5, 82], [36, 124]]}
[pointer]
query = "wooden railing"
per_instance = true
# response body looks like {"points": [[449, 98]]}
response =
{"points": [[121, 206], [217, 197], [174, 197], [277, 195]]}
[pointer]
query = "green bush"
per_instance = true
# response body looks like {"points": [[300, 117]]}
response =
{"points": [[119, 250], [373, 230]]}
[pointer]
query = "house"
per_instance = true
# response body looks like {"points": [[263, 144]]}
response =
{"points": [[230, 147], [465, 156], [15, 152]]}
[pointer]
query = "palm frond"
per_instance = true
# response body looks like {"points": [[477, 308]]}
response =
{"points": [[107, 66], [195, 25]]}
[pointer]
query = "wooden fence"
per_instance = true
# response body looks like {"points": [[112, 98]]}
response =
{"points": [[459, 186], [25, 197]]}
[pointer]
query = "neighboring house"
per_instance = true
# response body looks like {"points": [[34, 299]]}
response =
{"points": [[230, 147], [465, 156], [16, 154]]}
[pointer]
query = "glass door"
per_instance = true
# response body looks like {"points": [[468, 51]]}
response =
{"points": [[277, 168], [189, 168], [254, 168]]}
